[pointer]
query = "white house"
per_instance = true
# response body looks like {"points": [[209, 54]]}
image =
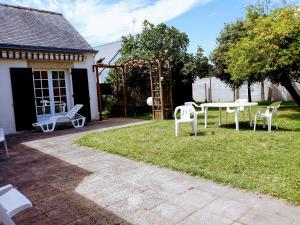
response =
{"points": [[45, 68], [108, 54]]}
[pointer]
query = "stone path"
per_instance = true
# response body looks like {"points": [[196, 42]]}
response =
{"points": [[69, 184]]}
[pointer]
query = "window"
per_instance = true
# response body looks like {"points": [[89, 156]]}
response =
{"points": [[50, 92], [41, 91], [59, 91]]}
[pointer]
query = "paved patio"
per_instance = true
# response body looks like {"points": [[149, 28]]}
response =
{"points": [[69, 184]]}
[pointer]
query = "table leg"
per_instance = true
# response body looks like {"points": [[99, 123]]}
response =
{"points": [[205, 117], [250, 116], [236, 117], [220, 116]]}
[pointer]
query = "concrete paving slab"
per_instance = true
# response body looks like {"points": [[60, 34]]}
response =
{"points": [[226, 208], [255, 217], [203, 218]]}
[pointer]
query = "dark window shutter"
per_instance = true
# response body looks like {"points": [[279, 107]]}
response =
{"points": [[81, 91], [23, 97]]}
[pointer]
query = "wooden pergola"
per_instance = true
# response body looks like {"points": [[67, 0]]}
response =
{"points": [[160, 82]]}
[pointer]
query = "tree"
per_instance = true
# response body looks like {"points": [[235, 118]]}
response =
{"points": [[164, 42], [231, 33], [270, 50], [197, 65], [159, 41]]}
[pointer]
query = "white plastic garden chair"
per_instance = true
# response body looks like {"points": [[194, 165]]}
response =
{"points": [[11, 202], [187, 114], [241, 109], [193, 104], [72, 116], [2, 139], [267, 114]]}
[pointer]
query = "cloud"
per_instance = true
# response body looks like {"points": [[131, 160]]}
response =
{"points": [[101, 21]]}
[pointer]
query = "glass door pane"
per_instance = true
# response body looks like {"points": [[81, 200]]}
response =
{"points": [[41, 92], [59, 91]]}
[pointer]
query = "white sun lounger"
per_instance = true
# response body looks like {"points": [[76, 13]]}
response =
{"points": [[72, 116], [11, 202]]}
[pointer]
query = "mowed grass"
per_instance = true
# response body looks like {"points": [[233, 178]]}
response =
{"points": [[265, 162]]}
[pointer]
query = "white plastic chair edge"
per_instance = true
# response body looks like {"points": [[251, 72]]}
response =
{"points": [[6, 217], [4, 142], [195, 105], [191, 110], [273, 108]]}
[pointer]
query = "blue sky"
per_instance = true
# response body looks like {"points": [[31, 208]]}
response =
{"points": [[203, 23], [103, 21]]}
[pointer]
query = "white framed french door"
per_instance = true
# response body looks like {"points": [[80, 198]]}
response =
{"points": [[50, 92]]}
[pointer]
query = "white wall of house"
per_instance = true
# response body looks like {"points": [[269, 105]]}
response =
{"points": [[220, 92], [110, 53], [7, 115], [7, 118]]}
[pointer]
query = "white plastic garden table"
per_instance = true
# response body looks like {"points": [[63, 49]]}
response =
{"points": [[221, 105]]}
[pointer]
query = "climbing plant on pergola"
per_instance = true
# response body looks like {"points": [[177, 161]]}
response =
{"points": [[160, 77]]}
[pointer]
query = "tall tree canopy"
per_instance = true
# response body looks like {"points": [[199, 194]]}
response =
{"points": [[264, 45], [161, 42], [270, 50], [158, 41], [165, 42], [231, 34]]}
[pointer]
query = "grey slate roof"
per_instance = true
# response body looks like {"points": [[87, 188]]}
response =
{"points": [[24, 28]]}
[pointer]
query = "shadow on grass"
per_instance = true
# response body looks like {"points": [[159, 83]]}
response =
{"points": [[199, 133], [244, 126], [291, 116]]}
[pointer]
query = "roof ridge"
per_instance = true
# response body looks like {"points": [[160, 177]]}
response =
{"points": [[30, 9], [108, 43]]}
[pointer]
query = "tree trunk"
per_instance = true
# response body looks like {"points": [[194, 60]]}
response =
{"points": [[234, 97], [287, 83], [249, 92], [262, 90]]}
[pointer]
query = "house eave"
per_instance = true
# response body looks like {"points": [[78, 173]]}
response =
{"points": [[4, 46]]}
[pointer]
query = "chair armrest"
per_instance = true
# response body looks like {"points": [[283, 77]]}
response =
{"points": [[199, 106], [5, 189], [175, 113]]}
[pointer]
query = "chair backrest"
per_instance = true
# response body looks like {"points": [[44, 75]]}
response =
{"points": [[189, 104], [274, 107], [71, 114], [185, 112], [192, 104], [241, 101]]}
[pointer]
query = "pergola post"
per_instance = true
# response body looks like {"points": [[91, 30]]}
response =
{"points": [[99, 93], [151, 86], [171, 86], [124, 91]]}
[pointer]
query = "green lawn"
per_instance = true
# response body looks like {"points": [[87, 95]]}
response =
{"points": [[260, 161]]}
